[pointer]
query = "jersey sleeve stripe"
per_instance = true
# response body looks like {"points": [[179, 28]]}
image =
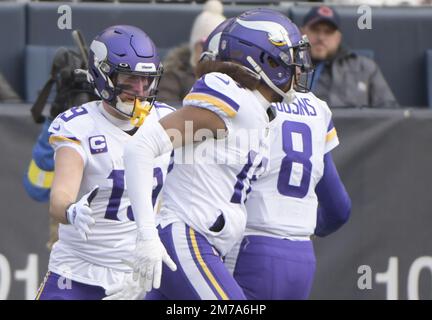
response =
{"points": [[39, 177], [330, 126], [201, 87], [331, 135], [201, 97], [54, 139]]}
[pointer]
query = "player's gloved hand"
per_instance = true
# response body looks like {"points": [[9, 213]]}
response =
{"points": [[148, 258], [126, 290], [79, 213]]}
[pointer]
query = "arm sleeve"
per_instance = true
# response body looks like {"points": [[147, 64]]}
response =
{"points": [[334, 202], [331, 140], [149, 142], [331, 137], [64, 135]]}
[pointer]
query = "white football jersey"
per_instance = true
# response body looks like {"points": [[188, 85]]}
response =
{"points": [[98, 261], [210, 180], [283, 202]]}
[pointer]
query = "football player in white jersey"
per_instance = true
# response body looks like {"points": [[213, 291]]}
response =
{"points": [[300, 195], [203, 213], [89, 196]]}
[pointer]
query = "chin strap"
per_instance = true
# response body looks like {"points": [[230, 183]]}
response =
{"points": [[288, 96], [141, 111]]}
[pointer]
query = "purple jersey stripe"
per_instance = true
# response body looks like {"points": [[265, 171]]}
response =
{"points": [[330, 126], [72, 138], [201, 87]]}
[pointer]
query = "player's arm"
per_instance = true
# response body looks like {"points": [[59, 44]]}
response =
{"points": [[207, 106], [153, 139], [334, 202], [66, 133], [175, 124], [69, 168]]}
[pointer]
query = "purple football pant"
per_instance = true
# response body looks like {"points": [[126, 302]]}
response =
{"points": [[273, 269], [56, 287], [201, 273]]}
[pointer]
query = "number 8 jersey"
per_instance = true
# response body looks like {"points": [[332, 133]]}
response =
{"points": [[98, 261], [283, 203]]}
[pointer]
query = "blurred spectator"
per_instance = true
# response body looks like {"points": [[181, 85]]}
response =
{"points": [[7, 94], [342, 78], [180, 62]]}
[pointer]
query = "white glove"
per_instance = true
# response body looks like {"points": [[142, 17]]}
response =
{"points": [[79, 213], [148, 258], [127, 290]]}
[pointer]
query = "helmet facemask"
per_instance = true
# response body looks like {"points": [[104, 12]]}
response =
{"points": [[295, 61], [132, 92], [131, 88], [304, 71]]}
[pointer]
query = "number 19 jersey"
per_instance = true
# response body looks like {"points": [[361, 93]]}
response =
{"points": [[99, 260], [283, 203]]}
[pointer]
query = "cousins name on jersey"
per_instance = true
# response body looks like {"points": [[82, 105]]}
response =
{"points": [[301, 106]]}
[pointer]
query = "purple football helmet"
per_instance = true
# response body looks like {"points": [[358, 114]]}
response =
{"points": [[123, 61], [211, 45], [268, 43]]}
